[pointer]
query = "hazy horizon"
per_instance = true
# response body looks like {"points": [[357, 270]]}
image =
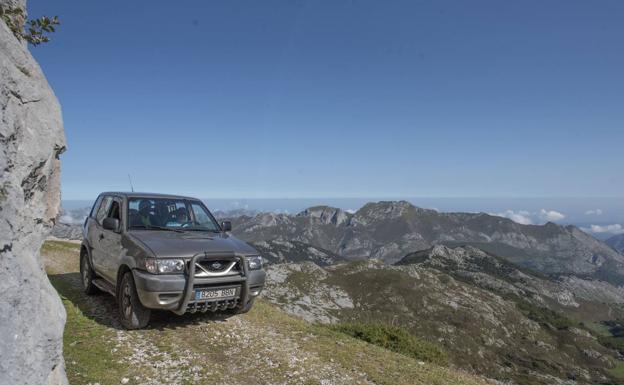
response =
{"points": [[600, 216]]}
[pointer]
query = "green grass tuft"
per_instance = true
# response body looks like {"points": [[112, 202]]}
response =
{"points": [[396, 339], [59, 246]]}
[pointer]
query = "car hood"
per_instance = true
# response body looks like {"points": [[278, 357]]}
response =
{"points": [[187, 244]]}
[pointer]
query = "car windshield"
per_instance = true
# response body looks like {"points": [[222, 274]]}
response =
{"points": [[169, 214]]}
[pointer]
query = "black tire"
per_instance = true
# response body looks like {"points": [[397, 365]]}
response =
{"points": [[87, 275], [132, 313]]}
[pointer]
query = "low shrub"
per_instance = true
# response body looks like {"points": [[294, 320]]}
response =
{"points": [[544, 315], [615, 343], [396, 339]]}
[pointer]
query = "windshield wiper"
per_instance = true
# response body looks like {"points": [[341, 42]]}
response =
{"points": [[165, 228], [152, 227], [200, 229]]}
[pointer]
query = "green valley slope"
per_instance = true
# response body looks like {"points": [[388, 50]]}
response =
{"points": [[492, 317]]}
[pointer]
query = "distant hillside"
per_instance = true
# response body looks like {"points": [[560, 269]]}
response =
{"points": [[390, 230], [67, 231], [617, 242], [492, 317]]}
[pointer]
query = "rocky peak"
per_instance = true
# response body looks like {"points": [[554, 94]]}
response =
{"points": [[326, 214], [271, 219], [387, 211], [391, 207]]}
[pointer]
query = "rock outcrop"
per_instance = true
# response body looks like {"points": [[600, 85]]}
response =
{"points": [[31, 139], [325, 215]]}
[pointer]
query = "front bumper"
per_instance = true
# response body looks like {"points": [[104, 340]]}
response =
{"points": [[175, 292]]}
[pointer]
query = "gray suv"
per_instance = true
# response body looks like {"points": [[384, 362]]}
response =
{"points": [[154, 251]]}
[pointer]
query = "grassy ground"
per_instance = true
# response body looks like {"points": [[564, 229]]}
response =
{"points": [[265, 346], [618, 371]]}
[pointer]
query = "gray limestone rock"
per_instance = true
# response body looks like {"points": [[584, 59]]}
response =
{"points": [[32, 316]]}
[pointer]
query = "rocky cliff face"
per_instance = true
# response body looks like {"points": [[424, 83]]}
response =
{"points": [[325, 215], [31, 139]]}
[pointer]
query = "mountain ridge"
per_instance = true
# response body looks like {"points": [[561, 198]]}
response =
{"points": [[389, 230]]}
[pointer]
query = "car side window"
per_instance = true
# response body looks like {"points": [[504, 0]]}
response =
{"points": [[104, 209], [114, 211]]}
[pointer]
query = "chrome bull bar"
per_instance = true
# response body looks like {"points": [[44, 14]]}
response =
{"points": [[225, 280]]}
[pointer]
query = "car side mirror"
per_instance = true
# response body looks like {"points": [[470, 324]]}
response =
{"points": [[111, 224], [226, 225]]}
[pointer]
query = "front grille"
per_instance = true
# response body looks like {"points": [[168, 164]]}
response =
{"points": [[217, 268]]}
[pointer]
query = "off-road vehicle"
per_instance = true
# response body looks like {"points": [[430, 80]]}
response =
{"points": [[154, 251]]}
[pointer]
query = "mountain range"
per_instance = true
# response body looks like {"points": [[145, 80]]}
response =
{"points": [[390, 230]]}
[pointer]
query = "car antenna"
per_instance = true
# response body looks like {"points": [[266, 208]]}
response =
{"points": [[131, 186]]}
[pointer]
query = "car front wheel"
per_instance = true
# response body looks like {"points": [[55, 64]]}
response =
{"points": [[132, 313]]}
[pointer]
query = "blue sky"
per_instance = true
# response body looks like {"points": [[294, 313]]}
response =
{"points": [[307, 99]]}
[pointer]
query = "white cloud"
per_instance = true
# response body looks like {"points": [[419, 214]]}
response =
{"points": [[594, 212], [351, 211], [528, 218], [522, 217], [550, 215], [615, 228]]}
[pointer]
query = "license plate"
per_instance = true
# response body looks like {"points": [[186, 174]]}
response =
{"points": [[210, 294]]}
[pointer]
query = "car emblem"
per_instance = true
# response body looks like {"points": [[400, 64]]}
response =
{"points": [[216, 265]]}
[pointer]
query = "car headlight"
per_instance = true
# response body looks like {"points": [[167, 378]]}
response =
{"points": [[164, 266], [254, 262]]}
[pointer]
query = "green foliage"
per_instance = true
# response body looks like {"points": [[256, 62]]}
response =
{"points": [[611, 335], [544, 315], [37, 29], [611, 342], [396, 339]]}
